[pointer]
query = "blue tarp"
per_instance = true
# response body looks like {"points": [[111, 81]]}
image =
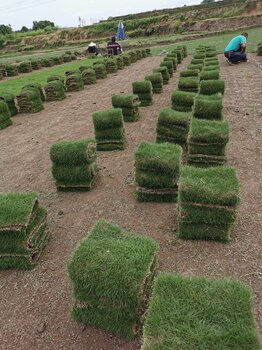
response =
{"points": [[121, 31]]}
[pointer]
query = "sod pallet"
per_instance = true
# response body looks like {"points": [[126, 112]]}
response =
{"points": [[29, 101], [129, 104], [212, 87], [74, 164], [25, 67], [183, 101], [100, 70], [5, 116], [156, 81], [208, 107], [169, 65], [89, 76], [111, 65], [157, 168], [199, 313], [55, 91], [109, 129], [173, 126], [144, 90], [23, 230], [207, 202], [10, 101], [74, 82], [11, 70], [207, 142], [188, 84], [111, 271], [164, 72]]}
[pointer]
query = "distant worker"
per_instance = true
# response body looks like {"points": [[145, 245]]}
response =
{"points": [[236, 50], [114, 46], [92, 48]]}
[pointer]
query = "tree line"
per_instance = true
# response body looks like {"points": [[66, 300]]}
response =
{"points": [[7, 29]]}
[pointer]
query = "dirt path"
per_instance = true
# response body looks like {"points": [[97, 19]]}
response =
{"points": [[35, 305]]}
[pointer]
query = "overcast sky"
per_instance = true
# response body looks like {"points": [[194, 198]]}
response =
{"points": [[65, 13]]}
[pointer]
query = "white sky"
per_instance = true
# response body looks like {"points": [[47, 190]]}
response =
{"points": [[65, 13]]}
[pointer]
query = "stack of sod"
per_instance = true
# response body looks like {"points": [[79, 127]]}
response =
{"points": [[120, 62], [144, 91], [212, 87], [173, 126], [211, 53], [211, 62], [208, 107], [2, 72], [82, 68], [89, 76], [35, 86], [126, 59], [173, 58], [207, 142], [195, 66], [55, 91], [58, 60], [109, 129], [55, 77], [179, 53], [74, 164], [164, 72], [259, 49], [70, 72], [112, 272], [169, 65], [197, 61], [209, 75], [29, 101], [100, 70], [66, 58], [199, 56], [189, 84], [189, 73], [207, 200], [11, 70], [10, 101], [25, 67], [111, 65], [36, 64], [74, 82], [138, 55], [133, 57], [148, 52], [156, 81], [129, 105], [23, 233], [73, 57], [210, 69], [143, 53], [157, 168], [197, 313], [47, 62], [5, 116], [183, 101]]}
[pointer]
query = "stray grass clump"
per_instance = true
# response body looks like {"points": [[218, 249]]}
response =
{"points": [[183, 101], [129, 105], [5, 116], [208, 107], [23, 233], [169, 65], [109, 129], [212, 87], [89, 76], [74, 164], [173, 126], [189, 84], [74, 82], [144, 91], [157, 171], [207, 201], [112, 271], [156, 81], [164, 72], [199, 313], [29, 100], [55, 91], [10, 101], [207, 142]]}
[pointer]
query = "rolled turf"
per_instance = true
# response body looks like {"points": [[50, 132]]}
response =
{"points": [[100, 70], [208, 107], [89, 76], [29, 100], [209, 75], [5, 116], [112, 271], [157, 171], [188, 84], [183, 101], [10, 101], [199, 313], [157, 82], [169, 65], [189, 73], [144, 91], [74, 82], [129, 104], [212, 87], [109, 129], [165, 74], [55, 91]]}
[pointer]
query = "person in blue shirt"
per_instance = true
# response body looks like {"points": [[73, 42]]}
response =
{"points": [[236, 50]]}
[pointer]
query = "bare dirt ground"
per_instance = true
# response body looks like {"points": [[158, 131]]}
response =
{"points": [[35, 305]]}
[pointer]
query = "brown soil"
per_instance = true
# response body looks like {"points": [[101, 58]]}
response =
{"points": [[35, 305]]}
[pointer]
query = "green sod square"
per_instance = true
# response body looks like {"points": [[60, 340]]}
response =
{"points": [[195, 313], [183, 101], [208, 107], [111, 271]]}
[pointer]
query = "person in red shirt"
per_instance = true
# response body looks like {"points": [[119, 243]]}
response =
{"points": [[114, 46]]}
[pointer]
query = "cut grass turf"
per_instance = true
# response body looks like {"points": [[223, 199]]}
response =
{"points": [[112, 271], [199, 314], [208, 107], [5, 115], [212, 87], [189, 84], [129, 104], [183, 101]]}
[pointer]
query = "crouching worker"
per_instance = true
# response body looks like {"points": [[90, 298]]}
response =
{"points": [[236, 50], [92, 48], [114, 47]]}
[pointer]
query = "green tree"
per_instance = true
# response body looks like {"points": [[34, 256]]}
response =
{"points": [[42, 24], [5, 29], [24, 29], [207, 1]]}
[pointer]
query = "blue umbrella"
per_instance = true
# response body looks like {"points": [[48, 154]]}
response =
{"points": [[121, 31]]}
